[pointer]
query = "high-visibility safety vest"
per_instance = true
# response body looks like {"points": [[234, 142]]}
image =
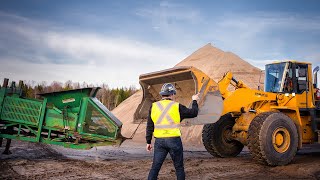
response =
{"points": [[166, 118]]}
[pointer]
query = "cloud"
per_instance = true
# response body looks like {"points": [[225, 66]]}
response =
{"points": [[261, 35], [270, 20], [172, 23], [44, 50], [169, 13], [251, 35], [107, 50], [49, 53]]}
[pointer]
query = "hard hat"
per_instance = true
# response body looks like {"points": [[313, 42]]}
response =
{"points": [[168, 89]]}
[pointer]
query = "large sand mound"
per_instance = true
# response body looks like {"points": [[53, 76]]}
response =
{"points": [[212, 61], [215, 63]]}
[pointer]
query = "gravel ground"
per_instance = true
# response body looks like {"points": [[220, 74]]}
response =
{"points": [[131, 161]]}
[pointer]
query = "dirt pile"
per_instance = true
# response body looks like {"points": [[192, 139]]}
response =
{"points": [[215, 63], [212, 61]]}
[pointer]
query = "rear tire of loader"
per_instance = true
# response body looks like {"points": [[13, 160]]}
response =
{"points": [[217, 140], [273, 138]]}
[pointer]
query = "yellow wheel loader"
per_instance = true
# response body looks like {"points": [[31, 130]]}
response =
{"points": [[273, 123]]}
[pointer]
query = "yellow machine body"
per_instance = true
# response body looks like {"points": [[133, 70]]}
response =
{"points": [[245, 104], [274, 123]]}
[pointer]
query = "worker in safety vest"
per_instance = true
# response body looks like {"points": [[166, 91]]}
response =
{"points": [[164, 123]]}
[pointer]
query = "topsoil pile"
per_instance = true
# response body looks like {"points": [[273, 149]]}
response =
{"points": [[212, 61]]}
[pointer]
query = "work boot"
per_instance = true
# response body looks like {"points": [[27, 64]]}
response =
{"points": [[7, 152]]}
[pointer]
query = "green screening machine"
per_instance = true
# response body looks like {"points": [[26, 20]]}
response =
{"points": [[74, 119]]}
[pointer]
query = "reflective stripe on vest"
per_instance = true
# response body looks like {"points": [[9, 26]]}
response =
{"points": [[166, 117]]}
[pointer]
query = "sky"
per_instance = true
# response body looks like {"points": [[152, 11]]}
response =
{"points": [[113, 42]]}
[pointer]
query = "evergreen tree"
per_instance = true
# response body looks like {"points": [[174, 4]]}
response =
{"points": [[110, 97]]}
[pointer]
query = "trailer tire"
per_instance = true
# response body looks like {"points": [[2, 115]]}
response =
{"points": [[215, 138], [273, 138]]}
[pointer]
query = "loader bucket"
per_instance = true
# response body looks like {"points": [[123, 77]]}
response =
{"points": [[188, 81]]}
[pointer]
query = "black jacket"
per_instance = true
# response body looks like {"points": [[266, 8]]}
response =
{"points": [[184, 113]]}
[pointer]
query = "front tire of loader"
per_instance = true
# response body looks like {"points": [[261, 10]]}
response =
{"points": [[217, 139], [273, 138]]}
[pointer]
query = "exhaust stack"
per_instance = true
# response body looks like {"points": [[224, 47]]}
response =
{"points": [[315, 76]]}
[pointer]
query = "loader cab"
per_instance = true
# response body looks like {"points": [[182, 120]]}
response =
{"points": [[286, 77], [276, 75], [294, 78]]}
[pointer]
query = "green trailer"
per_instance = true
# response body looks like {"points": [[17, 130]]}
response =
{"points": [[73, 119]]}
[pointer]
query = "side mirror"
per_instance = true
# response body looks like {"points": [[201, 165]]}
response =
{"points": [[262, 72]]}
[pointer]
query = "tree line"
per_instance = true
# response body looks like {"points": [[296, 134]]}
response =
{"points": [[110, 97]]}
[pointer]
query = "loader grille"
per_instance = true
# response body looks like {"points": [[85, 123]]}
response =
{"points": [[21, 110]]}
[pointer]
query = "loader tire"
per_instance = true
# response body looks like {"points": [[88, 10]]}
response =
{"points": [[273, 138], [217, 140]]}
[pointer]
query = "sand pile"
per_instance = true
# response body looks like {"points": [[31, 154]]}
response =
{"points": [[212, 61], [215, 63]]}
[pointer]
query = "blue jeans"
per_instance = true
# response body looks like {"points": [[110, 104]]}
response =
{"points": [[162, 147]]}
